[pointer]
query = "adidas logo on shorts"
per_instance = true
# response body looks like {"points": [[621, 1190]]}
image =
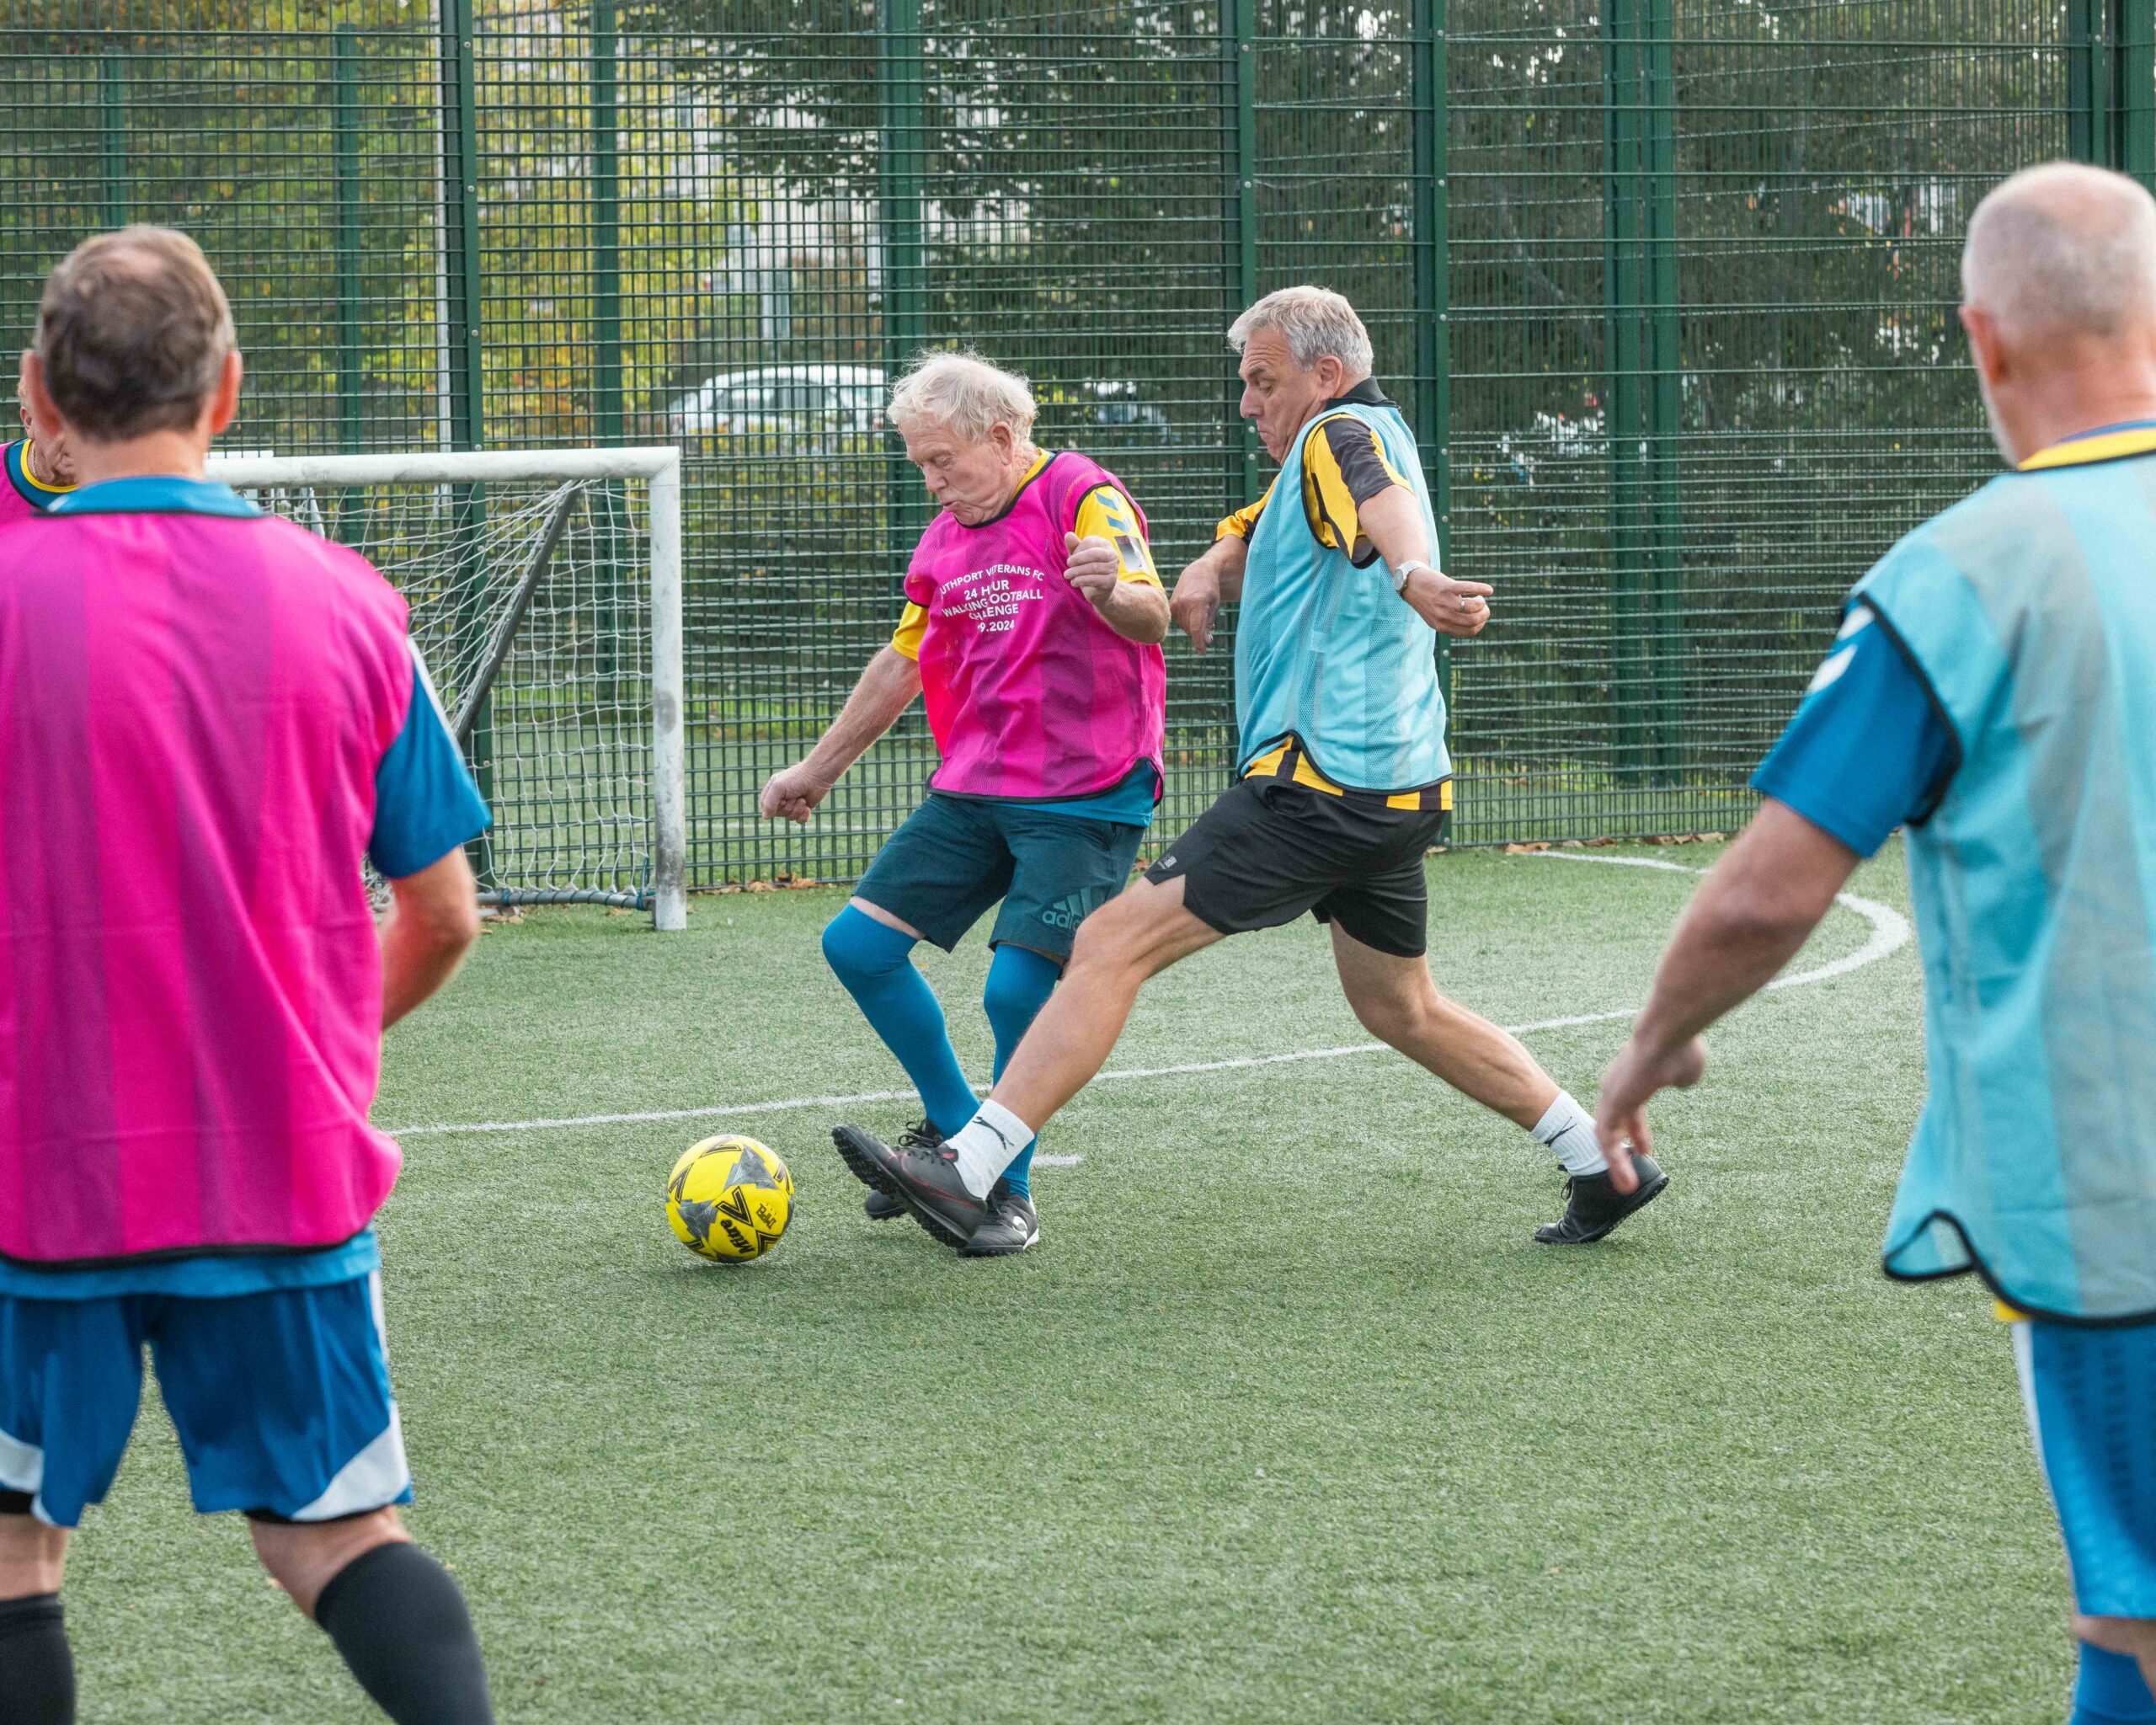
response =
{"points": [[1069, 913]]}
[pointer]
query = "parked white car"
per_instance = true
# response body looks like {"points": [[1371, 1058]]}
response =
{"points": [[830, 406], [806, 405]]}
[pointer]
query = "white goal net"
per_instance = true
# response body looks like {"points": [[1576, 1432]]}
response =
{"points": [[546, 596]]}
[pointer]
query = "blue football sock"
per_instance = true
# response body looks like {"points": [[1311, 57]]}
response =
{"points": [[1019, 983], [872, 960], [2110, 1691]]}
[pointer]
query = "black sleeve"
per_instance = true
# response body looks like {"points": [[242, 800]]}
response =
{"points": [[1353, 446]]}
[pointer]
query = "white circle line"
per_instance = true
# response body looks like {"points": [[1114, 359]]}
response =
{"points": [[1890, 932]]}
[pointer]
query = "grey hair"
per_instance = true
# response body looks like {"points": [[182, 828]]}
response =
{"points": [[2063, 248], [1313, 321], [965, 392]]}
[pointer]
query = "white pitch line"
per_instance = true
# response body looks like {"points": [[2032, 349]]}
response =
{"points": [[1890, 932]]}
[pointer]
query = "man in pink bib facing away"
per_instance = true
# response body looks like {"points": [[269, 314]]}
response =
{"points": [[1033, 626], [208, 717]]}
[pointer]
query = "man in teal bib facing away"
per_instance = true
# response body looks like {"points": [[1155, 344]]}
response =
{"points": [[1993, 687], [1342, 780]]}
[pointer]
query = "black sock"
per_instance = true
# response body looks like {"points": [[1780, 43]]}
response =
{"points": [[400, 1623], [39, 1686]]}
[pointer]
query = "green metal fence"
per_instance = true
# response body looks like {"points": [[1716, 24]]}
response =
{"points": [[1665, 286]]}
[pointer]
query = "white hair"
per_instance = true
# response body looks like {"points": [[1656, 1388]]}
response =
{"points": [[2063, 249], [966, 393], [1313, 321]]}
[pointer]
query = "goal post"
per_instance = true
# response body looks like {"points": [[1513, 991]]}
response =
{"points": [[548, 609]]}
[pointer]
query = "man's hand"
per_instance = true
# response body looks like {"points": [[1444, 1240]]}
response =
{"points": [[1214, 579], [1195, 605], [1621, 1118], [793, 794], [1093, 567], [1449, 606]]}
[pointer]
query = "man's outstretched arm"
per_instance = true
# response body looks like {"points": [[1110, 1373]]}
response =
{"points": [[886, 689], [1758, 907]]}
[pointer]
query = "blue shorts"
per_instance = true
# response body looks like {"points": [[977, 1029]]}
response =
{"points": [[281, 1399], [956, 855], [2090, 1395]]}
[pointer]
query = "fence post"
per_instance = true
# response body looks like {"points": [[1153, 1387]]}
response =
{"points": [[344, 125], [1432, 296], [899, 193], [112, 136], [460, 242], [1623, 420], [460, 238], [1665, 381], [607, 403], [2088, 80], [608, 407], [2110, 85], [1239, 154], [1644, 406], [2137, 84]]}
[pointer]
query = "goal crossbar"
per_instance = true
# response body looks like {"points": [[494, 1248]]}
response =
{"points": [[660, 467]]}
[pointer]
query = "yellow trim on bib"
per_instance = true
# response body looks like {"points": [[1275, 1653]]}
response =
{"points": [[1305, 774], [30, 480], [2077, 452], [2006, 1314], [1290, 761]]}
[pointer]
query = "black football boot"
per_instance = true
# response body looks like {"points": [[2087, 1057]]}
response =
{"points": [[1593, 1206], [1013, 1225], [927, 1181], [883, 1206]]}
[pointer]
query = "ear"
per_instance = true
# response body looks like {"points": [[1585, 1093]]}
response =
{"points": [[224, 400], [45, 421], [1005, 439], [1331, 375], [1988, 353]]}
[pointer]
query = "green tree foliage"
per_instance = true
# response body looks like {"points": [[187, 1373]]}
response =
{"points": [[1069, 178]]}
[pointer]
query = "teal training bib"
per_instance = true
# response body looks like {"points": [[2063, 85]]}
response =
{"points": [[1329, 652], [2031, 609]]}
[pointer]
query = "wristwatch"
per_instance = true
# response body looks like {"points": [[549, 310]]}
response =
{"points": [[1401, 574]]}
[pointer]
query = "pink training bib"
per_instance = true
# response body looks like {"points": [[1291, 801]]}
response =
{"points": [[192, 709], [1030, 695]]}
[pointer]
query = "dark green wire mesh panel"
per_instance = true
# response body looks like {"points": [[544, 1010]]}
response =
{"points": [[1667, 287], [1707, 366]]}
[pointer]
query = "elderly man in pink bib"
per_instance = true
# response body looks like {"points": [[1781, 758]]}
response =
{"points": [[1033, 626]]}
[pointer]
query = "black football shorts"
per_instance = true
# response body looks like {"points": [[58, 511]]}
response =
{"points": [[1270, 849]]}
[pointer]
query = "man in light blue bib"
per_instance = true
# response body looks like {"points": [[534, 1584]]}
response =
{"points": [[1993, 687]]}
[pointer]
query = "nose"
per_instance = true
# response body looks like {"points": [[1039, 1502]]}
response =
{"points": [[1248, 406]]}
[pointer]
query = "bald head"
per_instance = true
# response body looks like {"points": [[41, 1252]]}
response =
{"points": [[2063, 254]]}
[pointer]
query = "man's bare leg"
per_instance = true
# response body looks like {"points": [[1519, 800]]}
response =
{"points": [[1135, 935], [37, 1669], [1398, 1002], [2135, 1637]]}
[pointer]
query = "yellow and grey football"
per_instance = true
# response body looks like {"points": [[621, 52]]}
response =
{"points": [[729, 1199]]}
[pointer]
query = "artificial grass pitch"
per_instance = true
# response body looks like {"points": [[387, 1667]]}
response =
{"points": [[1285, 1419]]}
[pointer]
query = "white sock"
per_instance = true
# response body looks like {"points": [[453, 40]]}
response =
{"points": [[1569, 1129], [987, 1145]]}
